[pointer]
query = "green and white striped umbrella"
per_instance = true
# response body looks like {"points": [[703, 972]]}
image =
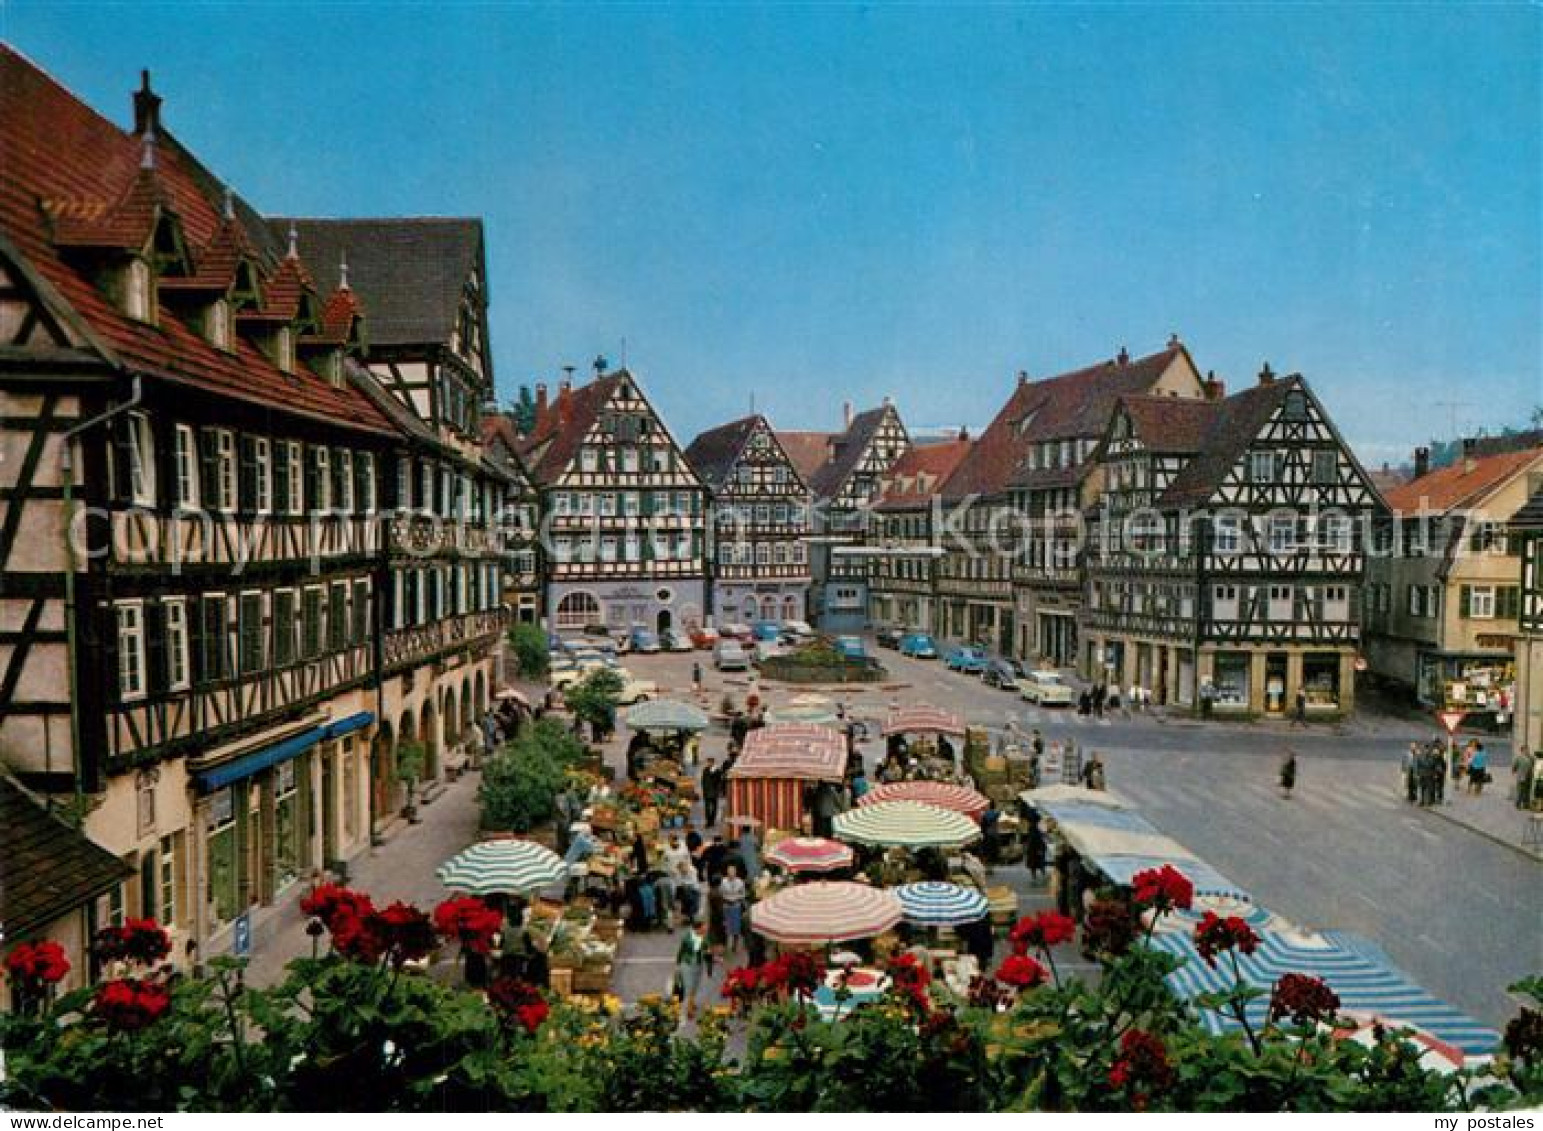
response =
{"points": [[502, 867], [907, 824], [666, 714]]}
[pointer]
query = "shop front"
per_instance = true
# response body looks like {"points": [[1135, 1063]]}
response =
{"points": [[1230, 678], [1321, 675], [1480, 684]]}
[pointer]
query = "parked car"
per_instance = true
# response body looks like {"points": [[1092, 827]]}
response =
{"points": [[1002, 673], [730, 656], [890, 637], [561, 671], [599, 631], [633, 689], [966, 659], [919, 646], [1047, 689], [673, 640], [764, 650], [766, 630], [852, 647], [704, 638], [798, 629], [735, 630], [642, 640]]}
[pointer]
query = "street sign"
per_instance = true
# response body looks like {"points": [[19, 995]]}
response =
{"points": [[1451, 720]]}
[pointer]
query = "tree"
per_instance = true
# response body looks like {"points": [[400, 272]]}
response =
{"points": [[523, 412], [520, 783], [594, 699], [411, 758], [528, 642]]}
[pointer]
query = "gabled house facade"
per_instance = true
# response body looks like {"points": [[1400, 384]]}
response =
{"points": [[1526, 528], [759, 553], [625, 511], [1055, 425], [1228, 551], [1443, 592], [905, 549]]}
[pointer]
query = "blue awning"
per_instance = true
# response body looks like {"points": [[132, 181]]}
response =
{"points": [[340, 727], [238, 769]]}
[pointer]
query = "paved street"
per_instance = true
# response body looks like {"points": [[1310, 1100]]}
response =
{"points": [[1459, 912]]}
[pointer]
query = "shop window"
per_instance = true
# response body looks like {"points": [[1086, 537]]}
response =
{"points": [[286, 831], [1230, 679], [170, 906], [1320, 679], [224, 857]]}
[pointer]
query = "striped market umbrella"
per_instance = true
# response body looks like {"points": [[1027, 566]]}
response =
{"points": [[945, 795], [810, 854], [812, 713], [502, 867], [666, 714], [907, 824], [825, 912], [863, 984], [934, 903], [923, 718]]}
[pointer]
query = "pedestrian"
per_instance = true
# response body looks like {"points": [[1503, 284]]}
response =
{"points": [[1412, 772], [713, 859], [731, 890], [1100, 694], [715, 920], [1288, 774], [1207, 699], [696, 676], [1093, 773], [1439, 774], [1478, 769], [990, 834], [1036, 849], [1299, 716], [712, 788], [639, 854], [750, 852], [690, 962], [1037, 744], [1523, 772]]}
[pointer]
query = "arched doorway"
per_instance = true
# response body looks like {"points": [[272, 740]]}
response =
{"points": [[428, 735], [482, 695], [450, 718], [383, 784], [577, 609], [768, 608], [468, 708], [752, 609], [663, 621], [790, 609]]}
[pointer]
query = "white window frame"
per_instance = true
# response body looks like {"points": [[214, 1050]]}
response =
{"points": [[1334, 533], [294, 456], [225, 470], [589, 461], [185, 465], [262, 459], [366, 461], [1258, 460], [179, 669], [141, 459], [1228, 534], [1487, 593], [321, 456], [1282, 534], [346, 478], [131, 649]]}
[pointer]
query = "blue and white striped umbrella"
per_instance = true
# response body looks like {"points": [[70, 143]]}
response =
{"points": [[933, 903], [666, 714], [1366, 982], [502, 867]]}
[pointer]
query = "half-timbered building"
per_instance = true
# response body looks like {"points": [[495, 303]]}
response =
{"points": [[1227, 551], [194, 550], [760, 522], [845, 484], [1061, 420], [1442, 593], [520, 520], [1526, 529], [902, 572], [622, 510]]}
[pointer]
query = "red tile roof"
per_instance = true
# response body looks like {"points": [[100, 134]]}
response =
{"points": [[1460, 484], [61, 157], [1169, 424], [919, 474], [561, 429], [807, 450]]}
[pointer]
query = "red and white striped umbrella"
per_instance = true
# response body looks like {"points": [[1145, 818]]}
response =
{"points": [[825, 912], [923, 718], [809, 753], [959, 798], [810, 854]]}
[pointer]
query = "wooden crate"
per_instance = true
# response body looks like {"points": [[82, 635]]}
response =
{"points": [[592, 980]]}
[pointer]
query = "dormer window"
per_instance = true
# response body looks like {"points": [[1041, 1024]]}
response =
{"points": [[218, 325], [284, 349], [138, 292]]}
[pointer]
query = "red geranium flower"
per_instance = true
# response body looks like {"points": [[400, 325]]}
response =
{"points": [[1214, 934], [1022, 972], [1108, 927], [519, 1003], [129, 1004], [1045, 930], [469, 921], [329, 902], [407, 931], [1305, 999], [1141, 1068], [797, 971], [38, 964], [357, 937], [138, 940], [910, 979], [1163, 889]]}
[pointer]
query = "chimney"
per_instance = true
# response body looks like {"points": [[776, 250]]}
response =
{"points": [[540, 400], [1267, 375], [1421, 462], [1023, 377], [1215, 387], [147, 107], [1123, 357], [1470, 453], [964, 433], [1173, 340], [846, 414]]}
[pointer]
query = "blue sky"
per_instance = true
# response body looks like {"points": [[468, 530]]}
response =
{"points": [[823, 202]]}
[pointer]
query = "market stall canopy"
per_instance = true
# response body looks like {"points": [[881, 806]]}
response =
{"points": [[907, 824], [666, 715], [858, 985], [809, 714], [502, 867], [513, 695], [1356, 969], [1054, 794], [934, 903], [1122, 868], [808, 753], [825, 912], [945, 795], [1094, 842], [923, 719], [810, 854]]}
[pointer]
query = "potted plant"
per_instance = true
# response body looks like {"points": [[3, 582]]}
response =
{"points": [[410, 759]]}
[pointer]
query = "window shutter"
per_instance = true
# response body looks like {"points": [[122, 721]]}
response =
{"points": [[120, 441], [362, 465], [1465, 601], [208, 469], [312, 483], [1508, 602], [196, 651], [108, 639], [155, 647], [337, 479], [246, 479], [214, 643], [164, 432], [280, 459]]}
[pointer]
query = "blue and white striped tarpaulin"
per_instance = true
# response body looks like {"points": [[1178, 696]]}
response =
{"points": [[1121, 869], [1101, 816], [1354, 968], [934, 903]]}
